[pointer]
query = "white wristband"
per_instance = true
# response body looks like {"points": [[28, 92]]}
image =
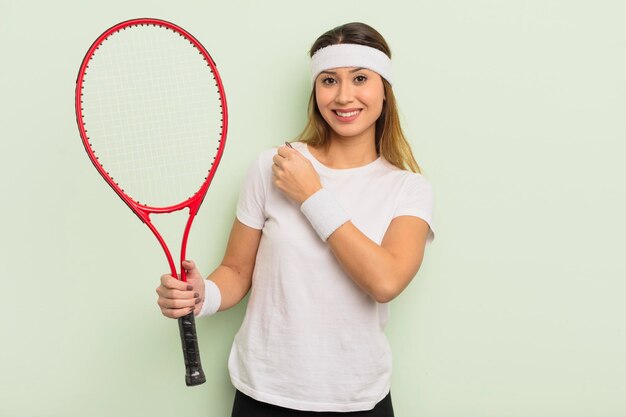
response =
{"points": [[212, 299], [324, 213]]}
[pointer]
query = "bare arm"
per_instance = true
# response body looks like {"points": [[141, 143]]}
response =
{"points": [[233, 276], [383, 271]]}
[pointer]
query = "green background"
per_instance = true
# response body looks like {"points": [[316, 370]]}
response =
{"points": [[515, 110]]}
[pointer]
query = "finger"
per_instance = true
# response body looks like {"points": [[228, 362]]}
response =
{"points": [[278, 160], [176, 313], [290, 150], [278, 171], [279, 178], [169, 281], [284, 151], [176, 294], [173, 303]]}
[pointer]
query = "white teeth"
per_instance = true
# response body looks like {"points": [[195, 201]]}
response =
{"points": [[352, 113]]}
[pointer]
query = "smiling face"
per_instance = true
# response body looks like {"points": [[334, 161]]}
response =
{"points": [[350, 100]]}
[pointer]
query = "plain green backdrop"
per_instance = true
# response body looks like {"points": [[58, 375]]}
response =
{"points": [[515, 110]]}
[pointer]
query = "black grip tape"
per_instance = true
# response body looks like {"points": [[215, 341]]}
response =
{"points": [[193, 368]]}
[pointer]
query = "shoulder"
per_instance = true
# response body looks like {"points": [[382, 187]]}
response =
{"points": [[417, 186], [265, 157], [407, 179], [263, 161], [259, 170], [416, 180]]}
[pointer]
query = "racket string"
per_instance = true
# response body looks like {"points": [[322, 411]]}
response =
{"points": [[153, 115]]}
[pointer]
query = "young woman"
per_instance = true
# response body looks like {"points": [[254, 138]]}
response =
{"points": [[329, 229]]}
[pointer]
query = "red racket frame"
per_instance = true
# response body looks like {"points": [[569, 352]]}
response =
{"points": [[141, 210]]}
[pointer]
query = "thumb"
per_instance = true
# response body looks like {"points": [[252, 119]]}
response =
{"points": [[189, 264], [190, 267]]}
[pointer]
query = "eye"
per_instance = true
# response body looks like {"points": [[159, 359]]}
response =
{"points": [[360, 79], [328, 81]]}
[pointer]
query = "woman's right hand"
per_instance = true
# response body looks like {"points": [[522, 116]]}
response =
{"points": [[178, 298]]}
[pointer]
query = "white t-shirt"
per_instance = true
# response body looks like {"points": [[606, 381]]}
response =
{"points": [[311, 339]]}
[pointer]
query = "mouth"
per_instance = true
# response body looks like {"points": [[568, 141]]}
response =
{"points": [[347, 115]]}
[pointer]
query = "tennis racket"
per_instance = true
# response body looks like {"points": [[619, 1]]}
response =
{"points": [[151, 112]]}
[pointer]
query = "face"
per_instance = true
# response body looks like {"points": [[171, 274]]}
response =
{"points": [[350, 100]]}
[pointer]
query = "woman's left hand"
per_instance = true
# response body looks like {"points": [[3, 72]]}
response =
{"points": [[294, 174]]}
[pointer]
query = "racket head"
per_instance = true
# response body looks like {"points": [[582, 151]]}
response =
{"points": [[152, 114]]}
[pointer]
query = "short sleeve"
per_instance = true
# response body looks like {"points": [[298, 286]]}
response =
{"points": [[418, 199], [251, 202]]}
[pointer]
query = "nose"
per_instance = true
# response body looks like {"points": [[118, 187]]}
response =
{"points": [[344, 93]]}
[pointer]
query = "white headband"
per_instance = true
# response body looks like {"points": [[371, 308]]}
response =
{"points": [[351, 55]]}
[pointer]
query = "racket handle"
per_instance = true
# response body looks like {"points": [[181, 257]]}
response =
{"points": [[193, 368]]}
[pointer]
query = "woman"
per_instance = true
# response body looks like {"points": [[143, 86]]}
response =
{"points": [[328, 230]]}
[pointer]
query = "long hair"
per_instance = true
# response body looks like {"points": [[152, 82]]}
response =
{"points": [[390, 140]]}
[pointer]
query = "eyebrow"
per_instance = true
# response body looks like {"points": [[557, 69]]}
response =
{"points": [[351, 71]]}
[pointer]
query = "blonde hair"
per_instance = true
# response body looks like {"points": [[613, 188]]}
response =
{"points": [[390, 141]]}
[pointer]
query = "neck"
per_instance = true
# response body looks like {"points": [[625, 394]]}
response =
{"points": [[347, 152]]}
